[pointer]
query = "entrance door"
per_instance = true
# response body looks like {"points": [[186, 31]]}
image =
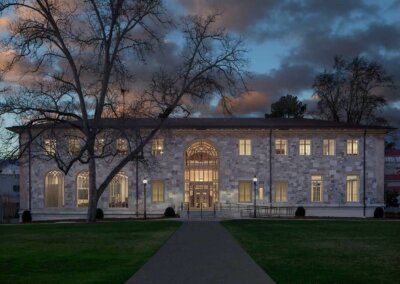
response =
{"points": [[201, 196]]}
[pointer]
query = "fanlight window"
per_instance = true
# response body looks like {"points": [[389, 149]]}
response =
{"points": [[54, 189], [82, 187], [118, 191]]}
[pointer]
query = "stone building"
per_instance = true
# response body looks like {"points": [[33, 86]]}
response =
{"points": [[329, 168]]}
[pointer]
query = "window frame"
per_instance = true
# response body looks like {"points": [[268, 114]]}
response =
{"points": [[245, 147], [74, 146], [61, 185], [82, 174], [281, 191], [352, 147], [122, 145], [158, 189], [244, 195], [330, 147], [314, 194], [304, 145], [157, 146], [121, 175], [281, 144], [353, 194], [50, 146]]}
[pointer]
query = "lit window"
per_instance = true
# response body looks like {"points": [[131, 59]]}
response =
{"points": [[316, 188], [352, 188], [54, 189], [157, 191], [244, 191], [261, 193], [157, 147], [305, 147], [281, 146], [244, 147], [122, 146], [99, 146], [82, 188], [50, 146], [74, 146], [328, 147], [352, 147], [118, 191], [281, 191]]}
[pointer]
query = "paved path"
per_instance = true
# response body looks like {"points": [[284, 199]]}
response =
{"points": [[201, 252]]}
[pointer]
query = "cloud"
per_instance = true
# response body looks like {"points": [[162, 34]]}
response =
{"points": [[249, 102]]}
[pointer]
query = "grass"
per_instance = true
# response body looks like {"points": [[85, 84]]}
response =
{"points": [[79, 253], [323, 251]]}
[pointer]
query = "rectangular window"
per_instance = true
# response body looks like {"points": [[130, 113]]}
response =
{"points": [[157, 147], [74, 146], [281, 146], [328, 147], [352, 188], [305, 147], [316, 189], [157, 191], [261, 193], [50, 146], [244, 191], [352, 147], [244, 147], [281, 191], [122, 146], [99, 146]]}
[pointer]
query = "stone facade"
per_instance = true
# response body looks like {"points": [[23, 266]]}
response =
{"points": [[293, 168]]}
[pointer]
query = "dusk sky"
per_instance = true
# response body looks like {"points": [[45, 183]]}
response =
{"points": [[289, 42]]}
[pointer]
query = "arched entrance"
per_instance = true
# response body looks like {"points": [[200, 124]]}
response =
{"points": [[201, 175]]}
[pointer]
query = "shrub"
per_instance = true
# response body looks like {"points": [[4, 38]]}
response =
{"points": [[99, 213], [300, 212], [378, 213], [26, 216], [169, 212]]}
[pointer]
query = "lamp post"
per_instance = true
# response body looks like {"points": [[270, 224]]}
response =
{"points": [[255, 195], [144, 186]]}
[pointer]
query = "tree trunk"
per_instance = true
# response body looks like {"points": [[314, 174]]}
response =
{"points": [[93, 199]]}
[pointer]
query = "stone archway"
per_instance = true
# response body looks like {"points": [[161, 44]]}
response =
{"points": [[201, 175]]}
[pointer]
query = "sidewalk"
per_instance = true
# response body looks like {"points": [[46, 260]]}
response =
{"points": [[201, 252]]}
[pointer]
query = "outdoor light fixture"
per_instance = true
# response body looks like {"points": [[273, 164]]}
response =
{"points": [[144, 186], [255, 196]]}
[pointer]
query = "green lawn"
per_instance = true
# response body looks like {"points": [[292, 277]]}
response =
{"points": [[79, 253], [323, 251]]}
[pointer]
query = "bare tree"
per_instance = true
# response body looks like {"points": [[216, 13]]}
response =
{"points": [[350, 91], [79, 54]]}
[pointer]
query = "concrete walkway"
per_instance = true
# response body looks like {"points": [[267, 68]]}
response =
{"points": [[201, 252]]}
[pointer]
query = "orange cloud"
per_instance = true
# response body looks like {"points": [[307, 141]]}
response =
{"points": [[248, 102]]}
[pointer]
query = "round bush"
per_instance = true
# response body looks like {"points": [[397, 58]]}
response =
{"points": [[26, 216], [99, 213], [169, 212], [300, 212], [378, 213]]}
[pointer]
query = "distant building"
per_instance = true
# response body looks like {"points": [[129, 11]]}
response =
{"points": [[392, 171], [9, 182], [330, 168]]}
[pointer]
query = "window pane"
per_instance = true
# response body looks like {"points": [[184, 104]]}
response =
{"points": [[281, 146], [82, 189], [118, 191], [316, 189], [54, 189], [245, 191], [352, 147], [157, 191], [244, 147], [328, 147], [157, 147], [281, 191], [50, 146], [352, 188], [305, 147]]}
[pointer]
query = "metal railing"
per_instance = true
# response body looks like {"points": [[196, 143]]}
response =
{"points": [[244, 210]]}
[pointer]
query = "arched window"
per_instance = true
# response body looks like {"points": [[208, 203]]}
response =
{"points": [[82, 188], [118, 191], [54, 189]]}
